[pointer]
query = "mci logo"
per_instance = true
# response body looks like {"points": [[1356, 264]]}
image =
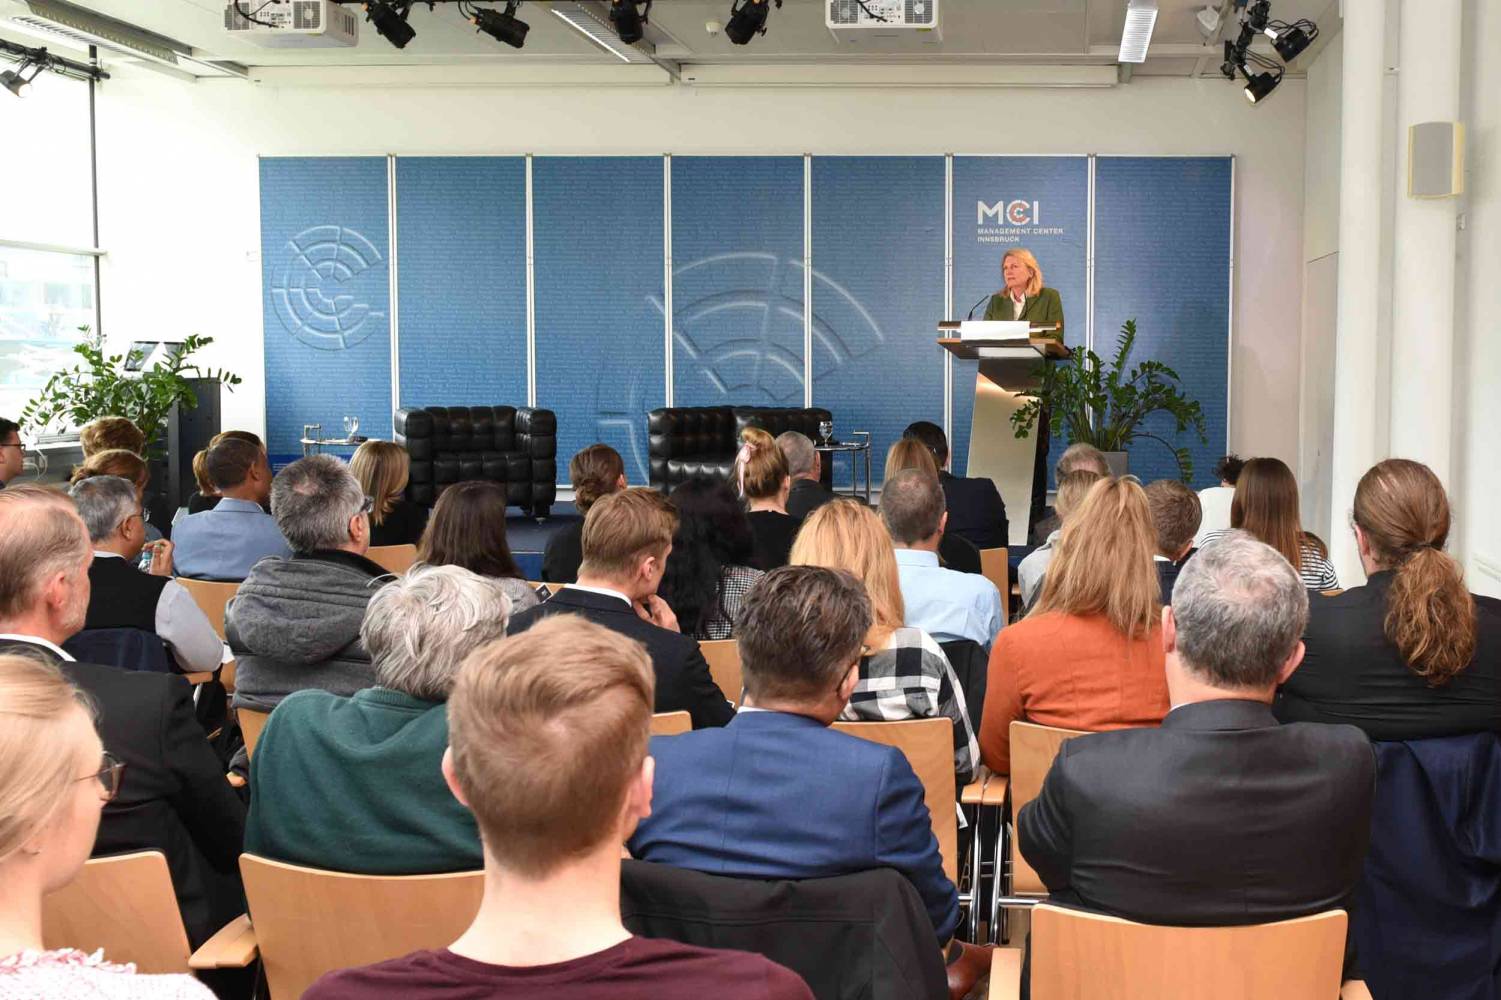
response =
{"points": [[1012, 213]]}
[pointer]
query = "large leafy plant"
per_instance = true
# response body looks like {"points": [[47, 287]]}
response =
{"points": [[101, 386], [1105, 405]]}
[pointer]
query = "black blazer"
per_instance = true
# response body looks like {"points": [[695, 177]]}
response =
{"points": [[174, 796], [1352, 674], [976, 510], [806, 496], [564, 553], [403, 526], [683, 680], [1221, 817]]}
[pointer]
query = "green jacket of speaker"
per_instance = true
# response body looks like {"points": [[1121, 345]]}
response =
{"points": [[1043, 309]]}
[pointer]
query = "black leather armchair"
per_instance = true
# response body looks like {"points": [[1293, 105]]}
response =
{"points": [[688, 441], [504, 444]]}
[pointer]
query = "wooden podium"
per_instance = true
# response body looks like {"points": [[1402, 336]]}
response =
{"points": [[1006, 369]]}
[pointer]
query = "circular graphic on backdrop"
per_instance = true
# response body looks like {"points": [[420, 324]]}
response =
{"points": [[318, 290]]}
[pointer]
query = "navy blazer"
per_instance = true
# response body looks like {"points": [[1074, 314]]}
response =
{"points": [[775, 795]]}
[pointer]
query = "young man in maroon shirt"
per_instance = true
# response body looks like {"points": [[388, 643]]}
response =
{"points": [[547, 746]]}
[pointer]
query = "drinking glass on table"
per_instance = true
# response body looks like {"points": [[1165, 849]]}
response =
{"points": [[351, 427], [826, 430]]}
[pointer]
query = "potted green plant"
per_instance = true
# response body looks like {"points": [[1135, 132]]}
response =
{"points": [[1105, 405]]}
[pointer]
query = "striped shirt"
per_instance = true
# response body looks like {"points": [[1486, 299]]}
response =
{"points": [[1316, 571]]}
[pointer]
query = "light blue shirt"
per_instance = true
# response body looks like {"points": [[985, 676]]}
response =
{"points": [[945, 603], [223, 543]]}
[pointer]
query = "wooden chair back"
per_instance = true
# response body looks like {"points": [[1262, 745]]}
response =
{"points": [[1078, 955], [211, 596], [251, 724], [393, 558], [929, 747], [125, 905], [671, 723], [1033, 748], [994, 566], [724, 666], [308, 922]]}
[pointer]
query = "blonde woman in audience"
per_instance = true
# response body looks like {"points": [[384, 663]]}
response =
{"points": [[109, 433], [383, 467], [54, 781], [762, 478], [596, 471], [1089, 655], [1072, 488], [903, 671], [1266, 507]]}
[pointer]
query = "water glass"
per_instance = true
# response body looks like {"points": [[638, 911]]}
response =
{"points": [[826, 430], [351, 427]]}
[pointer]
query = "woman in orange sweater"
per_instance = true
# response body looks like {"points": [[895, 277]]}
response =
{"points": [[1089, 655]]}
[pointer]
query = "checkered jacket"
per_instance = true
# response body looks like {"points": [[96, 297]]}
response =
{"points": [[719, 620]]}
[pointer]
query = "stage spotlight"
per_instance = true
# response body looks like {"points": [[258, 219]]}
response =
{"points": [[1290, 42], [748, 19], [503, 26], [1260, 85], [15, 83], [390, 20], [628, 20]]}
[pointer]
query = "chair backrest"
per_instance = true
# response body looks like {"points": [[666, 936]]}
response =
{"points": [[127, 648], [723, 656], [1033, 748], [994, 566], [929, 747], [125, 905], [393, 558], [211, 596], [252, 721], [308, 922], [671, 723], [1076, 955]]}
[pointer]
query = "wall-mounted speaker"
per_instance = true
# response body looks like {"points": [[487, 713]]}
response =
{"points": [[1436, 160]]}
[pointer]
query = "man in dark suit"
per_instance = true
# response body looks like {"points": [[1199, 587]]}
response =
{"points": [[627, 537], [805, 466], [777, 793], [1221, 817], [174, 796], [976, 511], [1176, 512]]}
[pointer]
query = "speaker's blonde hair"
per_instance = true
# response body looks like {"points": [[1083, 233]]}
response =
{"points": [[1025, 256], [37, 763]]}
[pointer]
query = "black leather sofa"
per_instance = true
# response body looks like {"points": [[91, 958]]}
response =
{"points": [[688, 441], [453, 444]]}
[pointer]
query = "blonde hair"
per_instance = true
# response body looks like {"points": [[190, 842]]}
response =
{"points": [[114, 462], [382, 467], [909, 453], [107, 433], [1073, 487], [37, 764], [1025, 256], [847, 535], [1103, 562], [760, 466]]}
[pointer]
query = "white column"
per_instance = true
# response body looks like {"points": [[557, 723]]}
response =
{"points": [[1355, 396], [1423, 258]]}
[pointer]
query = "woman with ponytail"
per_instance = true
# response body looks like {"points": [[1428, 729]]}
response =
{"points": [[762, 479], [1412, 654]]}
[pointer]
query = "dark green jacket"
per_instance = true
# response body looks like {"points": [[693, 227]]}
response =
{"points": [[355, 785], [1043, 309]]}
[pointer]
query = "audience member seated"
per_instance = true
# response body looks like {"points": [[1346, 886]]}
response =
{"points": [[1412, 654], [295, 623], [708, 573], [1215, 501], [176, 799], [109, 434], [1077, 457], [128, 466], [1220, 817], [1072, 488], [627, 540], [468, 529], [903, 672], [1089, 654], [805, 466], [1266, 506], [12, 452], [777, 793], [382, 467], [222, 541], [762, 479], [548, 749], [595, 472], [943, 603], [354, 784], [121, 596], [206, 496], [1175, 516], [955, 552], [55, 778], [976, 511]]}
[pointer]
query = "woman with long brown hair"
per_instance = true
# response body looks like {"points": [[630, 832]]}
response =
{"points": [[954, 551], [904, 673], [383, 468], [1412, 654], [1089, 654], [1266, 506], [596, 471], [468, 529], [762, 478]]}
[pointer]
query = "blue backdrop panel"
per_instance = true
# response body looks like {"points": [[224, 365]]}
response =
{"points": [[1040, 203], [461, 255], [737, 292], [1162, 257], [597, 245], [325, 246], [877, 294]]}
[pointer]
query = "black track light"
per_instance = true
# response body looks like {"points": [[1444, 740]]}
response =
{"points": [[390, 20], [503, 26], [748, 19], [1260, 85], [15, 83], [628, 19], [1290, 42]]}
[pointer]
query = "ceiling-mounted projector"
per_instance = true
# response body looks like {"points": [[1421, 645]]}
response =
{"points": [[883, 24], [292, 24]]}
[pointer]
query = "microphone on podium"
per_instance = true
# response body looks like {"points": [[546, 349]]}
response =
{"points": [[983, 299]]}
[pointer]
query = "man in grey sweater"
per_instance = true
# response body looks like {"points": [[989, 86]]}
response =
{"points": [[295, 623]]}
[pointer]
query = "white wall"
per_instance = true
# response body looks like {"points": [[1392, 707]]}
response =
{"points": [[179, 205]]}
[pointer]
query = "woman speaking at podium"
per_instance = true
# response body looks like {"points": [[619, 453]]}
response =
{"points": [[1024, 297]]}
